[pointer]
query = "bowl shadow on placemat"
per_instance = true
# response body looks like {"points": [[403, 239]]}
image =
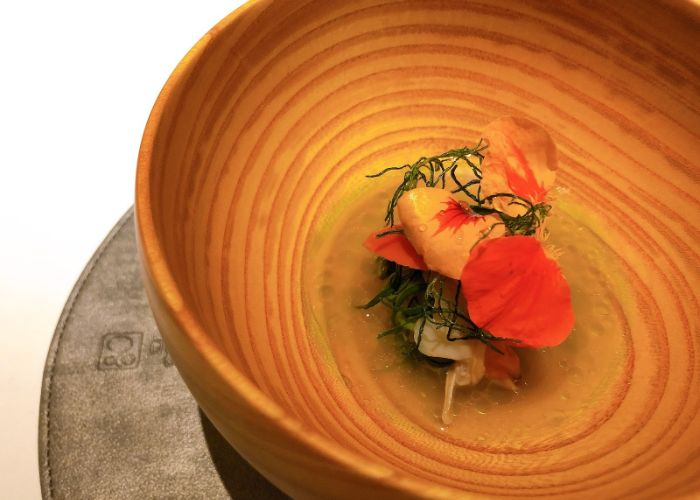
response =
{"points": [[239, 478]]}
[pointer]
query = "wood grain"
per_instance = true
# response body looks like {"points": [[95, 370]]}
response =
{"points": [[263, 134]]}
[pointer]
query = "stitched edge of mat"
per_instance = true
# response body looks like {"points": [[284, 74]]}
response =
{"points": [[47, 379]]}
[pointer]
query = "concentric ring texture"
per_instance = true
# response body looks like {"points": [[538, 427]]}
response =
{"points": [[263, 136]]}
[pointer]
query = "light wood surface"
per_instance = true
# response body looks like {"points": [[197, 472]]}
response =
{"points": [[262, 137]]}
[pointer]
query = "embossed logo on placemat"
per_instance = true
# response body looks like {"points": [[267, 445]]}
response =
{"points": [[120, 351], [157, 348]]}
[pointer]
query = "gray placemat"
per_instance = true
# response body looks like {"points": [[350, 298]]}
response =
{"points": [[116, 419]]}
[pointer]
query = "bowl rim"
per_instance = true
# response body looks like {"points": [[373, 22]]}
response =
{"points": [[164, 284]]}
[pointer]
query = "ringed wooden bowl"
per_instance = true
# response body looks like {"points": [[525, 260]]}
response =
{"points": [[259, 143]]}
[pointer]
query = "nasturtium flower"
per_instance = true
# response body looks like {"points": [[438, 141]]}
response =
{"points": [[521, 159], [514, 290], [502, 367], [443, 230], [395, 247]]}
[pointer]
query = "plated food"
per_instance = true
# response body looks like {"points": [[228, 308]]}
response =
{"points": [[467, 270], [252, 207]]}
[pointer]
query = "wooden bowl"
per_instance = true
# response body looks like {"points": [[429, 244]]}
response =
{"points": [[254, 157]]}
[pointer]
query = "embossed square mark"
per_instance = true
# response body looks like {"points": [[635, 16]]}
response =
{"points": [[120, 351], [157, 348]]}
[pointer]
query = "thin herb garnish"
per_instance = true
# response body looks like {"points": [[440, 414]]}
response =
{"points": [[389, 231], [463, 258], [416, 298], [433, 171]]}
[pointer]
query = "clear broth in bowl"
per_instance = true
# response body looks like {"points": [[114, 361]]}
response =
{"points": [[562, 382]]}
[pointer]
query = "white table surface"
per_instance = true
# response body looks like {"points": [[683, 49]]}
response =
{"points": [[77, 82]]}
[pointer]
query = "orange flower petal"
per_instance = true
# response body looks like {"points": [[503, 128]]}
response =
{"points": [[441, 230], [521, 159], [454, 215], [514, 290], [502, 366], [396, 248]]}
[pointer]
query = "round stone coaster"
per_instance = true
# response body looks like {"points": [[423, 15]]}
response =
{"points": [[116, 419]]}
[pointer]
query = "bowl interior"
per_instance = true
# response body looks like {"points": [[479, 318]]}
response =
{"points": [[260, 203]]}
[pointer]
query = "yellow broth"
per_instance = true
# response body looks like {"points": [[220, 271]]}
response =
{"points": [[559, 385]]}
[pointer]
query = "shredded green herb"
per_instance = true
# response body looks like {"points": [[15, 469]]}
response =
{"points": [[417, 298], [434, 171]]}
